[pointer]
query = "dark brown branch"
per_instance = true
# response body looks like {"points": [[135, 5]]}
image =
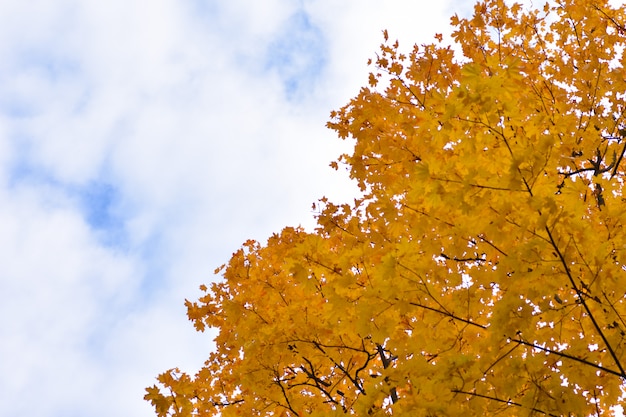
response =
{"points": [[596, 166], [319, 383], [619, 160], [595, 397], [424, 283], [500, 358], [581, 297], [475, 259], [428, 215], [326, 387], [225, 404], [354, 379], [320, 346], [311, 374], [421, 103], [334, 270], [567, 356], [174, 403], [620, 28], [612, 305], [576, 172], [508, 146], [481, 186], [282, 388], [448, 314], [386, 362], [508, 402], [370, 356], [482, 238]]}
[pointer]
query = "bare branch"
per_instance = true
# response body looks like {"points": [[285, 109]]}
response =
{"points": [[581, 297]]}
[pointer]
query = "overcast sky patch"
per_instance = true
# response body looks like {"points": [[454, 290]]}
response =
{"points": [[298, 54], [140, 144], [99, 201]]}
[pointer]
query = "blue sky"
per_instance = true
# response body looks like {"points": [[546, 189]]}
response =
{"points": [[140, 144]]}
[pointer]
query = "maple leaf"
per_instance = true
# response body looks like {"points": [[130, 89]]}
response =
{"points": [[482, 270]]}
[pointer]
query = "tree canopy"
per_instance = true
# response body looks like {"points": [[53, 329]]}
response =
{"points": [[483, 269]]}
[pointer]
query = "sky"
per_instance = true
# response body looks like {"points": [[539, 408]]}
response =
{"points": [[141, 143]]}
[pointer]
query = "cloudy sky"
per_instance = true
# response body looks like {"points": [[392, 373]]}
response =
{"points": [[141, 142]]}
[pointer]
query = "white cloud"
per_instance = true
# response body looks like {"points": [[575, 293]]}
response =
{"points": [[57, 288], [140, 144]]}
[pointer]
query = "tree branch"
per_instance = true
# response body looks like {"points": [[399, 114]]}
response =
{"points": [[386, 362], [448, 314], [619, 160], [282, 388], [508, 402], [581, 297], [567, 356]]}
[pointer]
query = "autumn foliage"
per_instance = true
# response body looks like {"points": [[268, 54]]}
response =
{"points": [[483, 271]]}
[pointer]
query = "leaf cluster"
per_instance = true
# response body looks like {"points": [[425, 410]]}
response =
{"points": [[482, 271]]}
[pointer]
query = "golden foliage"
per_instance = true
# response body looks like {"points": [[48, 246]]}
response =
{"points": [[483, 270]]}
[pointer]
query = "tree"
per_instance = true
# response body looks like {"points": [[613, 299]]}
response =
{"points": [[482, 272]]}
